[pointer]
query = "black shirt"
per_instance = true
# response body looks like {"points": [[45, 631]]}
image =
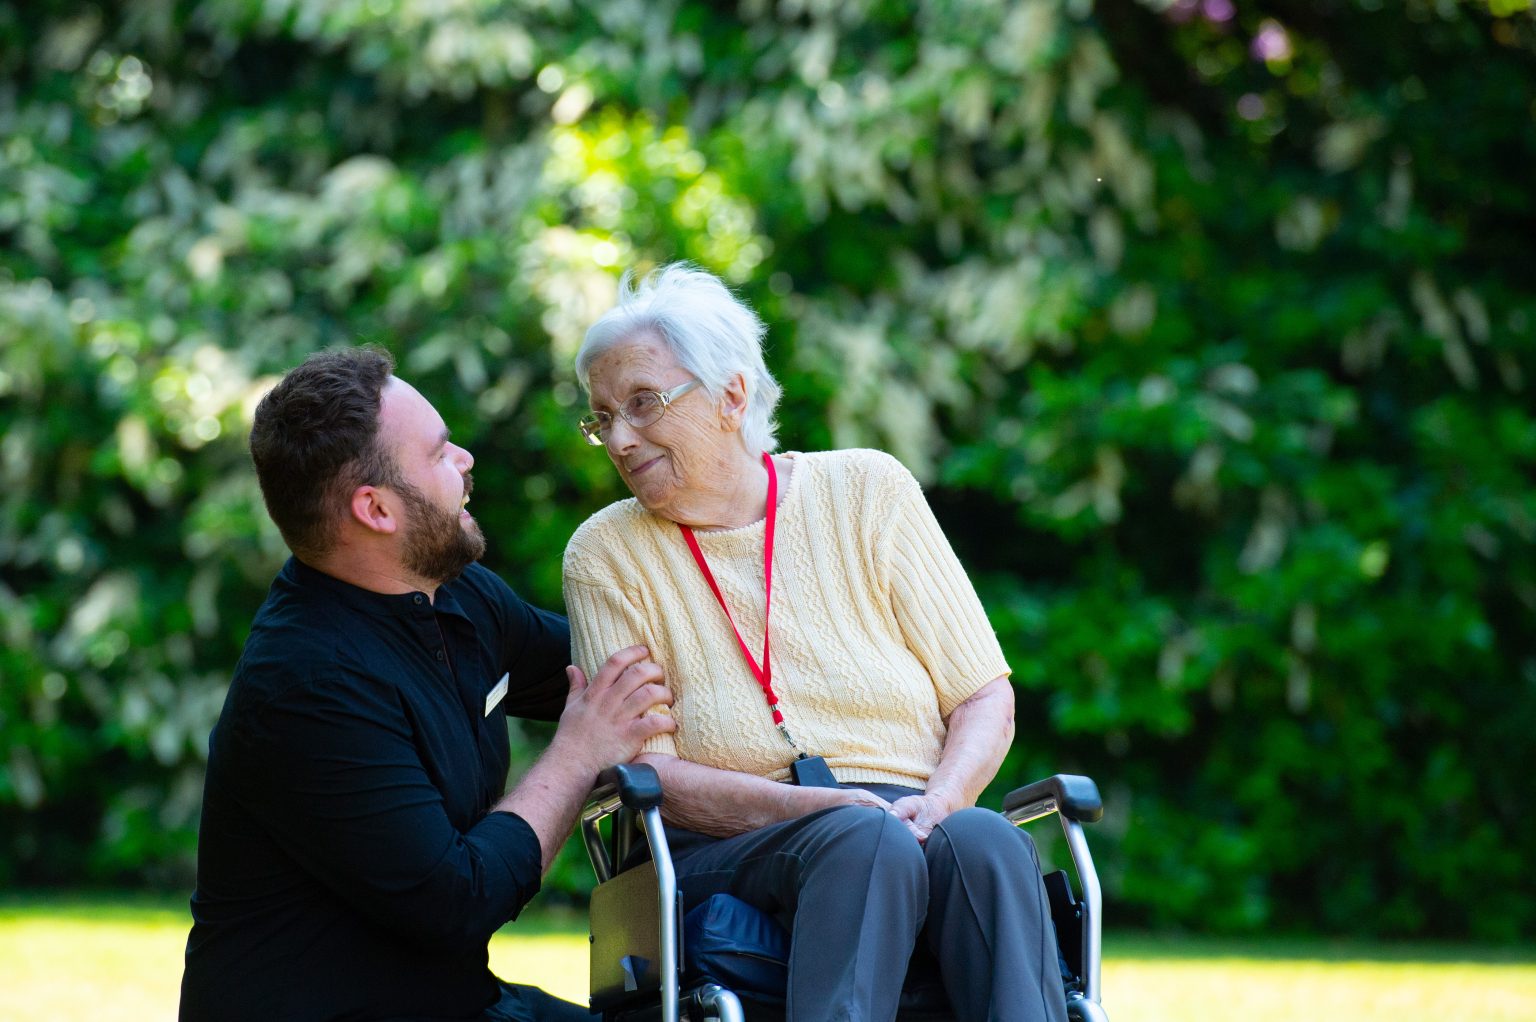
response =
{"points": [[348, 865]]}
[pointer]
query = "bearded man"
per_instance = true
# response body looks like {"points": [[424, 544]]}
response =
{"points": [[356, 850]]}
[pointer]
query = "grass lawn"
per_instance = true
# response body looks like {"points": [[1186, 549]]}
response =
{"points": [[103, 959]]}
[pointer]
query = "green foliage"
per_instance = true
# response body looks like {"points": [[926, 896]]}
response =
{"points": [[1208, 324]]}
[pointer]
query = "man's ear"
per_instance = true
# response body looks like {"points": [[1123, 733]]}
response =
{"points": [[733, 402], [374, 509]]}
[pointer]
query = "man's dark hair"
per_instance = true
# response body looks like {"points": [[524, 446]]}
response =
{"points": [[316, 439]]}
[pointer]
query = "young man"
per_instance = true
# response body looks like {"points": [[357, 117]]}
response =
{"points": [[356, 852]]}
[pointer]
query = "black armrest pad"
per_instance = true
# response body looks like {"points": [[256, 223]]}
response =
{"points": [[1077, 797], [639, 787]]}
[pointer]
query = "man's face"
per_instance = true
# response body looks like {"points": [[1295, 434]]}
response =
{"points": [[440, 537], [439, 544]]}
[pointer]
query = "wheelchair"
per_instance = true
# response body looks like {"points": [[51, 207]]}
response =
{"points": [[641, 972]]}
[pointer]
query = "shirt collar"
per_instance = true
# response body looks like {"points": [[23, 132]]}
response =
{"points": [[397, 605]]}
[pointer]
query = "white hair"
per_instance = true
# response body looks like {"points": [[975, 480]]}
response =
{"points": [[710, 332]]}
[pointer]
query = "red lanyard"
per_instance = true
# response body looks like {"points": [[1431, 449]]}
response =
{"points": [[763, 674]]}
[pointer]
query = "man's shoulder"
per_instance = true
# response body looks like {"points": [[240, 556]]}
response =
{"points": [[499, 614], [479, 583], [303, 635], [294, 644]]}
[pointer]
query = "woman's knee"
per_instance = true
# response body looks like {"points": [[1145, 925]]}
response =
{"points": [[979, 836], [876, 828], [875, 841]]}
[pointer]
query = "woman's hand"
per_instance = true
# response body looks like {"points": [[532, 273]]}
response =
{"points": [[921, 813], [812, 799]]}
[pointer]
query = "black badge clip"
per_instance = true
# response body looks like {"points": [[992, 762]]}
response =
{"points": [[812, 772]]}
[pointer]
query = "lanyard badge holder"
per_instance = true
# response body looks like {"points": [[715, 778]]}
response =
{"points": [[812, 772], [807, 771]]}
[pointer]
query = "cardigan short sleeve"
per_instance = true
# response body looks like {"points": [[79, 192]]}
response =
{"points": [[604, 620], [939, 613]]}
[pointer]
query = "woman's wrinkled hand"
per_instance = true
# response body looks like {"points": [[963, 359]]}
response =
{"points": [[811, 800], [921, 813]]}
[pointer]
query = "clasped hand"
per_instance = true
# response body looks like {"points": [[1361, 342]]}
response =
{"points": [[920, 813]]}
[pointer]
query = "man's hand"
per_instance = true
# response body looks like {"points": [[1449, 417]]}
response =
{"points": [[608, 719], [605, 722]]}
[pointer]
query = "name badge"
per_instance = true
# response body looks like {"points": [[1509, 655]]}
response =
{"points": [[497, 694]]}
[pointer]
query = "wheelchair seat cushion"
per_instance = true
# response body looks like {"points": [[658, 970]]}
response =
{"points": [[745, 950], [738, 946]]}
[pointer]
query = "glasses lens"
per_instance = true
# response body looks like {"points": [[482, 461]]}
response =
{"points": [[644, 408], [592, 430]]}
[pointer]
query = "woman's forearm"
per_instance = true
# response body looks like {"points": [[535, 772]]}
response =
{"points": [[980, 732], [723, 803]]}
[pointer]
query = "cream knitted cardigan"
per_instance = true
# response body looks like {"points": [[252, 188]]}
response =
{"points": [[877, 632]]}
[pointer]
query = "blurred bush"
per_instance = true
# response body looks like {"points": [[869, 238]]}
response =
{"points": [[1208, 323]]}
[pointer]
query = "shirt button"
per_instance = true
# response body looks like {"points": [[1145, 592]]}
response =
{"points": [[439, 654], [417, 600]]}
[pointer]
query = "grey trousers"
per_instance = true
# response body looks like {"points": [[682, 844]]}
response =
{"points": [[530, 1004], [858, 893]]}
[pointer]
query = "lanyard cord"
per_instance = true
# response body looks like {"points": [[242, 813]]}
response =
{"points": [[764, 673]]}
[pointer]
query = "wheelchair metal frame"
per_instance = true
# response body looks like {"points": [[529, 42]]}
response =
{"points": [[1075, 801], [635, 788]]}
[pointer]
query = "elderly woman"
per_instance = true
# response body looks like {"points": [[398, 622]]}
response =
{"points": [[840, 698]]}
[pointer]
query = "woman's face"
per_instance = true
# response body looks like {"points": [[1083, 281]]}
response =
{"points": [[681, 457]]}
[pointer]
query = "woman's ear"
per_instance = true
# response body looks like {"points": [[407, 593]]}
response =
{"points": [[733, 402]]}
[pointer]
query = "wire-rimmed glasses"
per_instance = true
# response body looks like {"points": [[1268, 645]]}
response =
{"points": [[644, 408]]}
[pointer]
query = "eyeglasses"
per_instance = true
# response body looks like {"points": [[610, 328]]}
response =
{"points": [[644, 408]]}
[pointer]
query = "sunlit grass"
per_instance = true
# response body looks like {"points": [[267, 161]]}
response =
{"points": [[78, 959], [96, 959], [1148, 980]]}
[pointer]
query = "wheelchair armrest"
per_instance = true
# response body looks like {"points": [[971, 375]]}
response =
{"points": [[637, 784], [1076, 801], [630, 790], [1074, 796]]}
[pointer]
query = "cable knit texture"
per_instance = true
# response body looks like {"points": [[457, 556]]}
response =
{"points": [[877, 632]]}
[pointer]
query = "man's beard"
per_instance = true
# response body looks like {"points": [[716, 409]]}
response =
{"points": [[437, 547]]}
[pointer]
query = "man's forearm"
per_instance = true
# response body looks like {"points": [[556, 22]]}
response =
{"points": [[605, 721], [550, 796]]}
